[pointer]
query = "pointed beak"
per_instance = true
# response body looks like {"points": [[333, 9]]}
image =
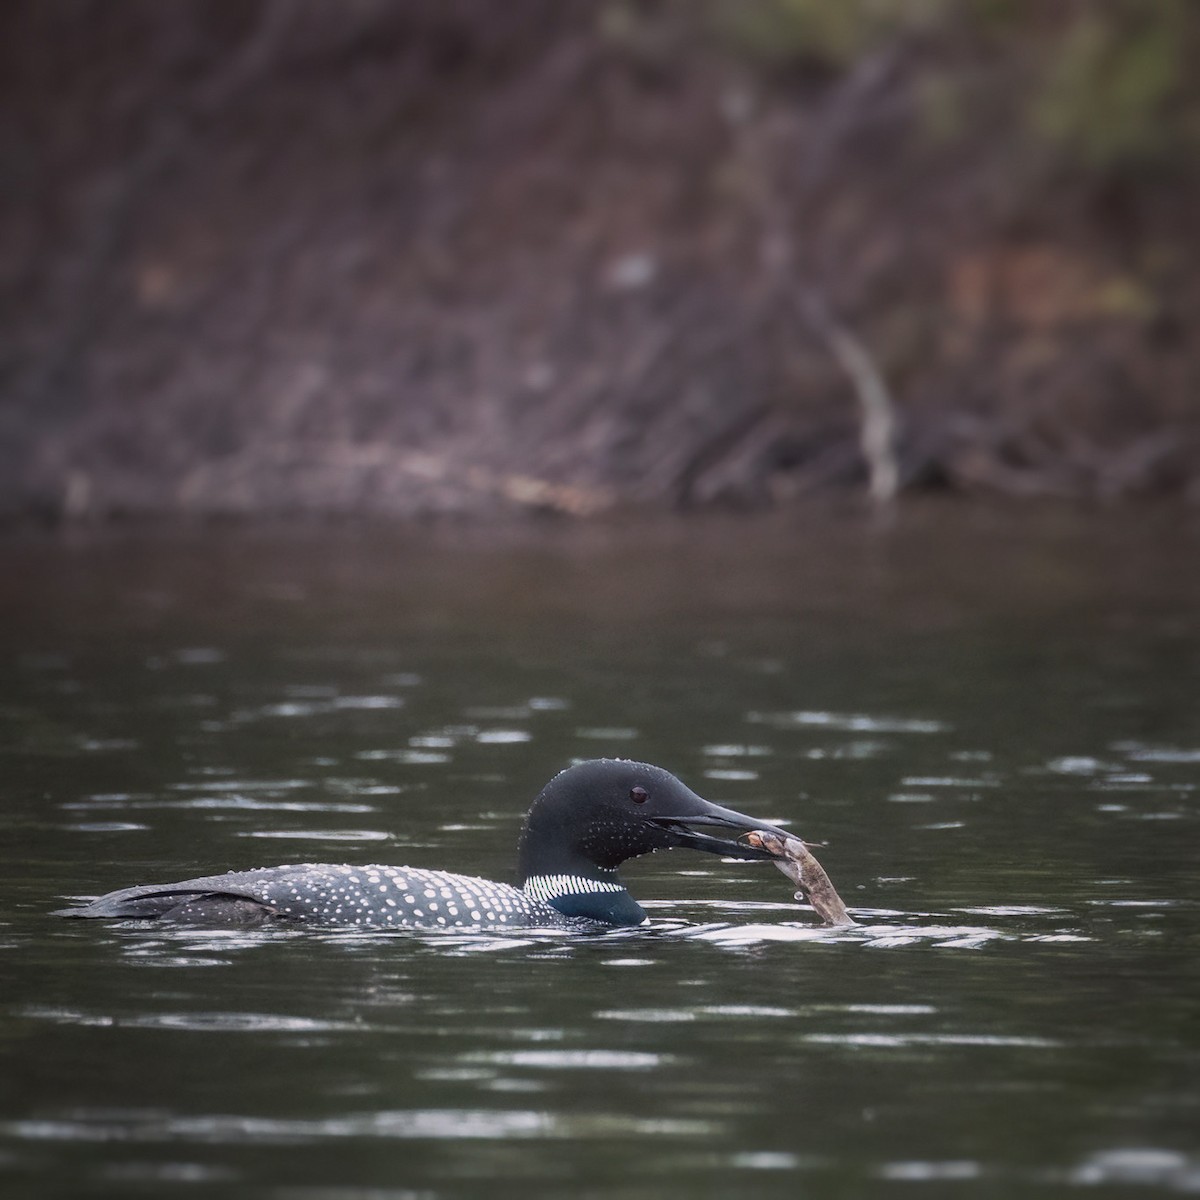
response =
{"points": [[679, 831]]}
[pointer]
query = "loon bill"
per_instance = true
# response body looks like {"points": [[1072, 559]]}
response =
{"points": [[585, 822]]}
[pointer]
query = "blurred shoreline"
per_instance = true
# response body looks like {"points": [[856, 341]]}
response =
{"points": [[451, 258]]}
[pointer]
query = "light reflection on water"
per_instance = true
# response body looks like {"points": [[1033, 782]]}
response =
{"points": [[1006, 789]]}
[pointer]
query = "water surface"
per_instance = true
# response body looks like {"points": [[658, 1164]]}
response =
{"points": [[992, 723]]}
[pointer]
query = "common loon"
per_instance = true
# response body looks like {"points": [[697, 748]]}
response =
{"points": [[585, 822]]}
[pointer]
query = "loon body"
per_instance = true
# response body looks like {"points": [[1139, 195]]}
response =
{"points": [[585, 822]]}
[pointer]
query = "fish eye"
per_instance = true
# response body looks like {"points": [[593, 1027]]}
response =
{"points": [[639, 795]]}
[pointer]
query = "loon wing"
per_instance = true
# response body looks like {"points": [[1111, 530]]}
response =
{"points": [[239, 897], [201, 908]]}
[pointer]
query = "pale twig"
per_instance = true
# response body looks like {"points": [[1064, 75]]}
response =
{"points": [[877, 435]]}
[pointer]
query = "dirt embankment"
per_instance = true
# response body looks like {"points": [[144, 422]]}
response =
{"points": [[436, 256]]}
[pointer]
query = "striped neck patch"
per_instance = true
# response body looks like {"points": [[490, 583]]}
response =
{"points": [[551, 887]]}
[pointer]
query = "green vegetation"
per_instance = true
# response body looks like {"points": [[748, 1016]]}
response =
{"points": [[1108, 84], [783, 31], [1116, 89]]}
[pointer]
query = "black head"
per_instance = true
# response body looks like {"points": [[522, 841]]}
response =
{"points": [[593, 816]]}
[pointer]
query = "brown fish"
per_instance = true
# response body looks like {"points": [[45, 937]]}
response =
{"points": [[795, 861]]}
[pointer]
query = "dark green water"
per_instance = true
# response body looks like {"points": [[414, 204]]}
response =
{"points": [[993, 723]]}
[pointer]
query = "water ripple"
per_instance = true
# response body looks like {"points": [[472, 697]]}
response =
{"points": [[318, 835], [1139, 752], [408, 757], [1145, 1165], [199, 1022], [846, 722], [591, 1060], [876, 937], [100, 1125], [925, 1172], [897, 1040]]}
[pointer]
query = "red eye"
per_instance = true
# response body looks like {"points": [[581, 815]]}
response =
{"points": [[639, 795]]}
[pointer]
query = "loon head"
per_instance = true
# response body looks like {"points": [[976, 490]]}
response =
{"points": [[593, 816]]}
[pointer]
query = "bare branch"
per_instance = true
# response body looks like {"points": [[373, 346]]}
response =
{"points": [[877, 411]]}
